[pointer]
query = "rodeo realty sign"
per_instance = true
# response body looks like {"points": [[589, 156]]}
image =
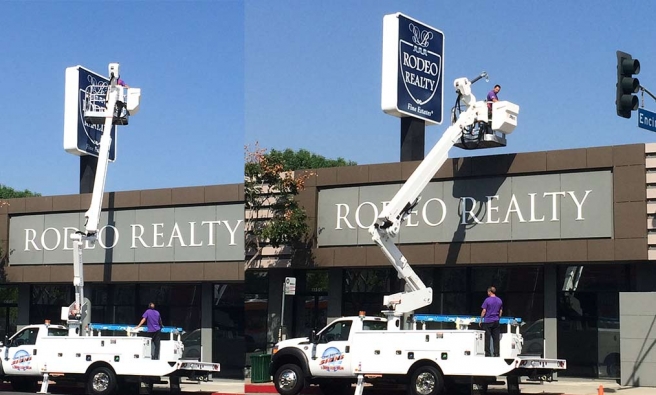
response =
{"points": [[413, 69], [199, 234], [559, 206]]}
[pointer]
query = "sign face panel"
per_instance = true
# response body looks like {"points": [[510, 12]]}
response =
{"points": [[413, 69], [84, 88], [175, 234], [541, 207], [290, 285], [646, 120]]}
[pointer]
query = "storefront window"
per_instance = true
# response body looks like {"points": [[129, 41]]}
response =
{"points": [[256, 307], [588, 319], [47, 301], [364, 290], [228, 340], [8, 311]]}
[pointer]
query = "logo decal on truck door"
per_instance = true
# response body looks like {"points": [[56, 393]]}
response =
{"points": [[21, 361], [331, 360]]}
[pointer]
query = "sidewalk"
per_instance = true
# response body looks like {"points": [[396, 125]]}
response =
{"points": [[564, 386]]}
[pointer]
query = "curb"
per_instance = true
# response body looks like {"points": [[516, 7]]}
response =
{"points": [[269, 388]]}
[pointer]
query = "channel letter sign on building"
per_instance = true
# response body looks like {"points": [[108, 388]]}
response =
{"points": [[176, 234], [553, 206], [413, 69], [82, 138]]}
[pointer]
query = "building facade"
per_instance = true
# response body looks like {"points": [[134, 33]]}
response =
{"points": [[182, 248], [559, 233]]}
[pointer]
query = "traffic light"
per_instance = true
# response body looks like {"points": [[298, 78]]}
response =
{"points": [[626, 85]]}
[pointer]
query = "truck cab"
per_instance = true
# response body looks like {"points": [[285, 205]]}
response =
{"points": [[322, 357]]}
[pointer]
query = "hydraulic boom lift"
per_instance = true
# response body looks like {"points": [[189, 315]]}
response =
{"points": [[120, 103], [383, 232]]}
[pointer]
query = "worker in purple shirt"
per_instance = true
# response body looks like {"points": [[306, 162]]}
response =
{"points": [[491, 98], [490, 315], [153, 321]]}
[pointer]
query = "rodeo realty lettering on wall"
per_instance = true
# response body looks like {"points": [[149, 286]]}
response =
{"points": [[202, 233], [561, 206]]}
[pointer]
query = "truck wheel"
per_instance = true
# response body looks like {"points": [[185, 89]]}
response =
{"points": [[426, 380], [102, 381], [289, 379]]}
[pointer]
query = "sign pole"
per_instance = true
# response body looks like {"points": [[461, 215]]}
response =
{"points": [[88, 165], [282, 312], [413, 138]]}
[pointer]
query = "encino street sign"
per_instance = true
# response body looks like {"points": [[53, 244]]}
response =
{"points": [[646, 120]]}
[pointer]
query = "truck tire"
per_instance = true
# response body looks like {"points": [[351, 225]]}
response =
{"points": [[426, 380], [101, 381], [289, 379]]}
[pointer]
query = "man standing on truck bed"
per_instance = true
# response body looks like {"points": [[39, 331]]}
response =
{"points": [[153, 321], [492, 310]]}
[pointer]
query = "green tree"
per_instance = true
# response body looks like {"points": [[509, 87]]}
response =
{"points": [[304, 159], [10, 193], [273, 216]]}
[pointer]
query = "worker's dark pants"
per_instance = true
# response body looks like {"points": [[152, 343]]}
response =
{"points": [[492, 329], [154, 348]]}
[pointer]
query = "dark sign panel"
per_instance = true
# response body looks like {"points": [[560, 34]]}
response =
{"points": [[413, 69]]}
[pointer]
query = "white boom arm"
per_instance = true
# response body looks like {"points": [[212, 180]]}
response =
{"points": [[78, 311], [416, 294]]}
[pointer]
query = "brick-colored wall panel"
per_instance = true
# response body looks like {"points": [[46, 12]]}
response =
{"points": [[601, 250], [527, 251], [625, 155], [154, 272], [325, 257], [66, 203], [124, 199], [631, 249], [352, 175], [491, 165], [15, 206], [4, 227], [387, 172], [419, 254], [222, 193], [600, 157], [375, 256], [494, 252], [453, 253], [187, 271], [531, 162], [566, 159], [14, 274], [327, 176], [189, 195], [64, 273], [93, 273], [629, 183], [308, 200], [156, 197], [36, 274], [123, 273], [567, 250], [222, 271], [350, 256], [38, 204], [627, 217]]}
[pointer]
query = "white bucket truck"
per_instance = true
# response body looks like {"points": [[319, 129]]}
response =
{"points": [[80, 352], [399, 348]]}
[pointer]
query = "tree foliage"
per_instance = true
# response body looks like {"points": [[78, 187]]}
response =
{"points": [[273, 216], [304, 159], [10, 193]]}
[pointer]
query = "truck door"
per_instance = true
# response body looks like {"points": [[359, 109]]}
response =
{"points": [[20, 354], [332, 354]]}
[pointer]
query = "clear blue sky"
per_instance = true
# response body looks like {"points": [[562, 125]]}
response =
{"points": [[216, 75], [313, 71], [188, 59]]}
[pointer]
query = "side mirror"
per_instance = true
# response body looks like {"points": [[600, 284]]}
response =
{"points": [[313, 337]]}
